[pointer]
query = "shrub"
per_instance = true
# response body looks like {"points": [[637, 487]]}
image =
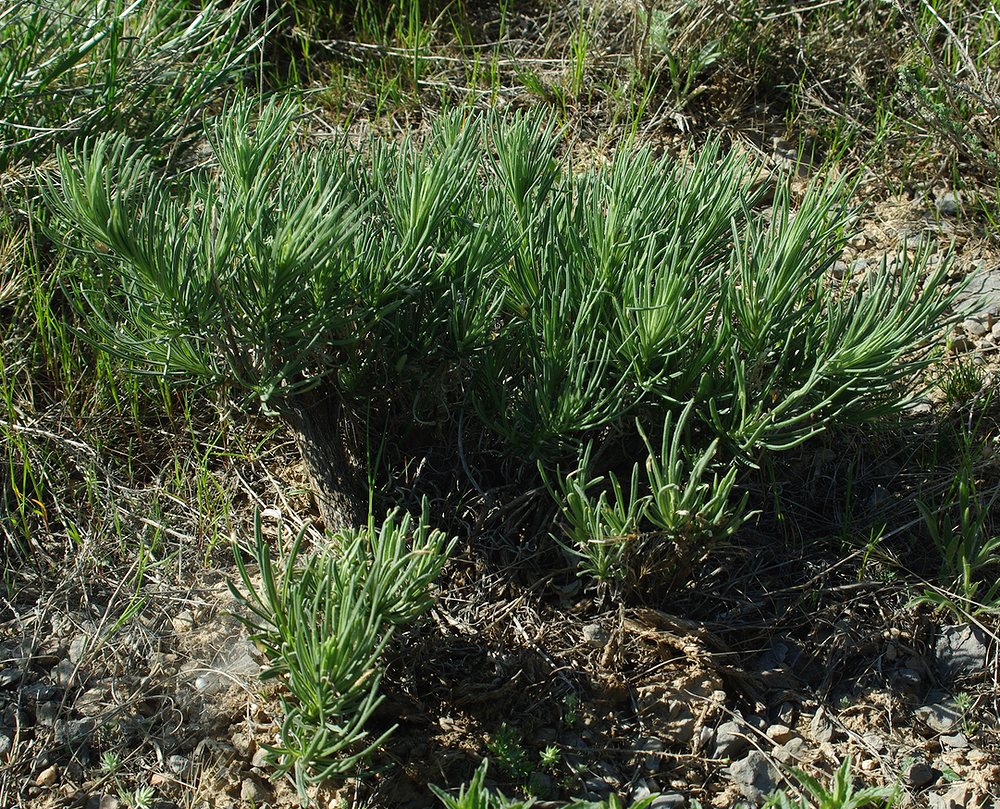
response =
{"points": [[571, 304]]}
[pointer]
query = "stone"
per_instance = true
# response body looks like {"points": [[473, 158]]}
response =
{"points": [[754, 775], [949, 203], [908, 677], [959, 741], [182, 622], [958, 796], [669, 800], [75, 731], [47, 713], [102, 802], [78, 648], [47, 777], [822, 728], [596, 636], [974, 327], [792, 751], [939, 716], [730, 741], [64, 673], [9, 677], [178, 764], [919, 774], [788, 713], [259, 759], [960, 650], [780, 733], [253, 790], [5, 743], [651, 747], [840, 269]]}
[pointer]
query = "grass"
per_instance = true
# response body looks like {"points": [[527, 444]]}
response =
{"points": [[736, 434]]}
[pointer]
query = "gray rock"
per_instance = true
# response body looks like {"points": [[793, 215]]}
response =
{"points": [[259, 759], [957, 742], [974, 327], [669, 800], [960, 650], [597, 788], [792, 751], [102, 802], [596, 636], [9, 677], [730, 741], [939, 716], [40, 692], [651, 746], [254, 791], [75, 731], [908, 677], [788, 713], [839, 269], [78, 647], [63, 673], [5, 743], [822, 728], [918, 775], [949, 203], [981, 293], [754, 775], [178, 764]]}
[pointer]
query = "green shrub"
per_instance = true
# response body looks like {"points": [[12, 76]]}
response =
{"points": [[323, 623], [569, 305]]}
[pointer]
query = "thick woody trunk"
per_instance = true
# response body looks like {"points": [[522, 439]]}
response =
{"points": [[317, 423]]}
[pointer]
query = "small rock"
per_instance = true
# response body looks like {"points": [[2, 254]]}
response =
{"points": [[957, 742], [102, 802], [40, 692], [596, 636], [730, 741], [788, 713], [792, 751], [780, 733], [597, 787], [253, 790], [158, 779], [669, 800], [960, 344], [909, 677], [960, 650], [9, 677], [839, 269], [918, 775], [974, 327], [78, 647], [48, 776], [178, 764], [651, 746], [680, 731], [5, 743], [182, 622], [938, 716], [46, 713], [754, 775], [63, 673], [958, 796], [949, 203], [259, 759]]}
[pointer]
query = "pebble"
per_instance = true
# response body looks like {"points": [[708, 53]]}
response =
{"points": [[792, 751], [597, 787], [788, 713], [959, 650], [938, 716], [754, 775], [918, 775], [957, 742], [102, 802], [182, 622], [5, 743], [178, 764], [47, 777], [62, 675], [9, 677], [949, 203], [259, 759], [596, 636], [780, 733], [909, 677], [253, 791], [730, 741], [46, 713], [669, 800], [974, 327]]}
